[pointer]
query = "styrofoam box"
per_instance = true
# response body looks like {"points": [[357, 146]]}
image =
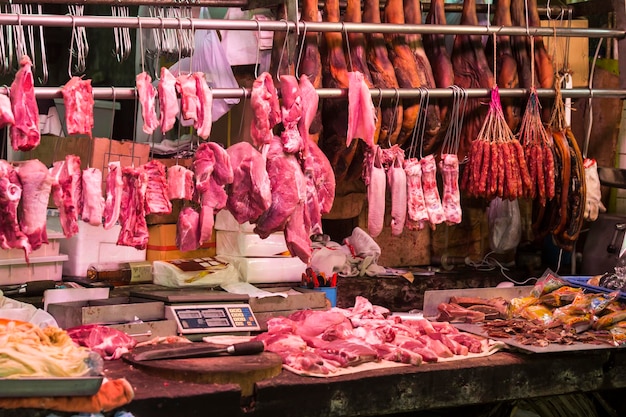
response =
{"points": [[268, 270], [17, 271], [94, 244], [226, 221], [250, 244], [49, 249]]}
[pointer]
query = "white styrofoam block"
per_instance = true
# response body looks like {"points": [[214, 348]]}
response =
{"points": [[268, 270], [250, 244], [225, 221], [93, 245], [17, 271]]}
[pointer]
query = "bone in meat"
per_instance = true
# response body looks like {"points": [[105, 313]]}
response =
{"points": [[361, 112], [205, 108], [376, 196], [291, 111], [186, 87], [168, 101], [25, 132], [147, 97], [93, 201], [113, 201], [187, 230], [11, 236], [134, 229], [6, 114], [78, 101], [451, 195], [416, 205], [157, 201], [67, 192], [265, 109], [180, 183], [398, 187], [436, 215], [36, 186]]}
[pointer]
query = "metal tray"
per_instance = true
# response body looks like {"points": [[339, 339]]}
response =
{"points": [[49, 387]]}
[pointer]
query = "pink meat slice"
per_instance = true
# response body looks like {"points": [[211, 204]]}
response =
{"points": [[205, 97], [134, 229], [6, 114], [223, 170], [436, 214], [67, 192], [180, 183], [36, 186], [297, 234], [168, 100], [361, 111], [11, 236], [186, 87], [265, 109], [113, 201], [187, 230], [291, 112], [376, 196], [147, 97], [451, 194], [157, 201], [78, 102], [250, 193], [310, 104], [397, 185], [93, 201], [416, 204], [25, 132]]}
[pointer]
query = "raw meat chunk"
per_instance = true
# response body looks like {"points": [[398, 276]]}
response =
{"points": [[134, 231], [180, 183], [113, 200], [36, 186], [11, 236], [93, 201], [265, 109], [25, 132], [187, 230], [205, 97], [168, 101], [157, 201], [6, 114], [67, 192], [147, 97]]}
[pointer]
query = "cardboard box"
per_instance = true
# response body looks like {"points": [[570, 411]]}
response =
{"points": [[162, 245]]}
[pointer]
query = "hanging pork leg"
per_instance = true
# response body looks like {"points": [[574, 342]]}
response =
{"points": [[311, 66], [544, 68]]}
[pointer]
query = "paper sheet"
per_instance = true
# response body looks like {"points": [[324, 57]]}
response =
{"points": [[251, 290]]}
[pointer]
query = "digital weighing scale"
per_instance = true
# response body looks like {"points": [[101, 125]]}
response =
{"points": [[202, 312]]}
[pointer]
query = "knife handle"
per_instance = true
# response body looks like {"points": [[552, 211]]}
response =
{"points": [[246, 348]]}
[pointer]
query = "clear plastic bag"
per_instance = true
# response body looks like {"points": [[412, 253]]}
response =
{"points": [[505, 225]]}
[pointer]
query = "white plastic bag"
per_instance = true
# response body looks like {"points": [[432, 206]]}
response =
{"points": [[505, 225], [197, 272]]}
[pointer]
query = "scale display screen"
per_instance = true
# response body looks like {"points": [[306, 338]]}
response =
{"points": [[212, 318]]}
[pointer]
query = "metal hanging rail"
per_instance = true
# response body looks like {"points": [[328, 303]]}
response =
{"points": [[297, 27], [129, 93]]}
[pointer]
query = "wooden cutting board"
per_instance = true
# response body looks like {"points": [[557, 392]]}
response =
{"points": [[242, 370]]}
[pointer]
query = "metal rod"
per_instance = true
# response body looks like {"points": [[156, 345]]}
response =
{"points": [[298, 27], [126, 93]]}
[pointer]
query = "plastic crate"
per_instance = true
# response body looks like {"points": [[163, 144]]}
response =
{"points": [[16, 271]]}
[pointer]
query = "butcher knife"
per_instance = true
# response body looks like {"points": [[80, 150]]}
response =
{"points": [[200, 350]]}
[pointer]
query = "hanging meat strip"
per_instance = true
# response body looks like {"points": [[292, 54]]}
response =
{"points": [[25, 132], [113, 201], [383, 76], [134, 229], [413, 16], [11, 236], [180, 183], [361, 112], [93, 201], [506, 65], [436, 214], [67, 192], [205, 99], [544, 67], [291, 111], [397, 180], [451, 195], [147, 97], [416, 206], [36, 186], [186, 87], [157, 200], [168, 101], [265, 109], [6, 114], [471, 70], [376, 195]]}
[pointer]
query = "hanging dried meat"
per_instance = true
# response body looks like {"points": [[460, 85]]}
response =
{"points": [[310, 65]]}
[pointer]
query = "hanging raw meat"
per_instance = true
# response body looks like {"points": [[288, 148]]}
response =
{"points": [[186, 87], [78, 101], [6, 114], [157, 200], [67, 192], [180, 183], [376, 195], [250, 194], [451, 195], [25, 132], [291, 112], [310, 71], [11, 236], [383, 76], [93, 201], [265, 110], [413, 16], [187, 230], [297, 234], [147, 97], [506, 65], [361, 112], [335, 112], [113, 189], [471, 70], [436, 214], [205, 99], [168, 100], [310, 110], [416, 205], [134, 229], [396, 177], [544, 67], [36, 186]]}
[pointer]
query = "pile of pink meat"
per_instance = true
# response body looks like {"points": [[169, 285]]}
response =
{"points": [[321, 342]]}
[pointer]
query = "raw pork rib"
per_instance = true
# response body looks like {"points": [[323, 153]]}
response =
{"points": [[134, 231], [451, 194], [291, 111], [168, 101], [147, 97], [376, 196], [250, 194], [361, 111], [397, 185], [6, 114], [186, 87], [93, 202], [180, 183], [113, 200], [288, 187], [67, 192], [436, 214], [416, 207], [78, 101], [157, 201], [36, 186], [11, 237], [25, 132], [187, 230], [205, 97], [265, 108]]}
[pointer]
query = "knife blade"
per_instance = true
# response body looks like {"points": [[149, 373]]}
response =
{"points": [[201, 350]]}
